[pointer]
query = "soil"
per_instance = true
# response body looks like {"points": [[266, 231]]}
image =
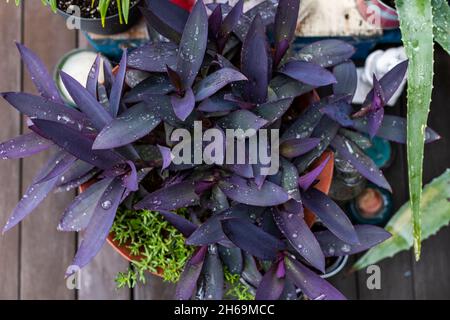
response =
{"points": [[390, 3], [88, 10]]}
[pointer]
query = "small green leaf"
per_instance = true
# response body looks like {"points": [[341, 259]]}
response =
{"points": [[435, 207], [441, 20], [416, 24]]}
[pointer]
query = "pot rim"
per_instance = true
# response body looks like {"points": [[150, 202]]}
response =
{"points": [[107, 18]]}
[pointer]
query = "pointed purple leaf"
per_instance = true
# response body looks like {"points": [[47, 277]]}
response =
{"points": [[390, 82], [117, 86], [212, 279], [76, 217], [183, 106], [369, 236], [78, 145], [289, 179], [271, 286], [155, 84], [41, 108], [378, 100], [232, 258], [273, 111], [131, 125], [339, 112], [100, 224], [349, 151], [393, 128], [346, 79], [311, 284], [330, 214], [92, 80], [254, 62], [326, 53], [216, 81], [216, 104], [215, 21], [247, 192], [243, 170], [166, 154], [170, 198], [184, 226], [286, 20], [39, 74], [308, 179], [166, 18], [188, 280], [250, 238], [241, 119], [374, 119], [293, 148], [86, 102], [23, 146], [62, 164], [77, 172], [232, 19], [154, 57], [130, 181], [193, 44], [308, 73], [109, 77], [301, 238]]}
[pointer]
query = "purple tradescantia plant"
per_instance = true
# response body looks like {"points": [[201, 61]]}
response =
{"points": [[215, 65]]}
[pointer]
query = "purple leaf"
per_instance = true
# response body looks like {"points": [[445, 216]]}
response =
{"points": [[330, 214], [374, 119], [183, 106], [166, 18], [215, 21], [188, 280], [289, 179], [173, 197], [212, 279], [293, 148], [241, 119], [247, 192], [130, 181], [311, 284], [243, 170], [193, 45], [232, 259], [154, 57], [166, 154], [184, 226], [232, 19], [209, 232], [23, 146], [369, 236], [393, 128], [251, 238], [39, 74], [131, 125], [273, 111], [77, 172], [254, 62], [77, 216], [339, 112], [307, 180], [378, 100], [305, 124], [217, 104], [326, 53], [346, 79], [286, 20], [389, 83], [117, 86], [61, 165], [300, 237], [216, 81], [78, 145], [155, 84], [349, 151], [175, 79], [308, 73], [92, 80], [100, 224], [271, 286], [86, 102], [109, 77], [40, 108], [280, 50]]}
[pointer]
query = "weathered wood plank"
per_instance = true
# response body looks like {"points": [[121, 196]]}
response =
{"points": [[154, 289], [97, 281], [10, 28], [396, 275], [431, 277], [46, 253], [346, 282]]}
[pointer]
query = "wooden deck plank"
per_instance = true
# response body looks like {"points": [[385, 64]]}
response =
{"points": [[431, 276], [10, 65], [346, 282], [154, 289], [46, 253], [97, 281], [396, 279]]}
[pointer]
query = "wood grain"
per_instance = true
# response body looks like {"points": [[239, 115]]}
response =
{"points": [[10, 79]]}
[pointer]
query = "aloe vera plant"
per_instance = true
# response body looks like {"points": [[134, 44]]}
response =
{"points": [[221, 69], [419, 28], [435, 207]]}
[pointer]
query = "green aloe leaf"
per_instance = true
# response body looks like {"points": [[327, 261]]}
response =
{"points": [[416, 24], [435, 206], [441, 19]]}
